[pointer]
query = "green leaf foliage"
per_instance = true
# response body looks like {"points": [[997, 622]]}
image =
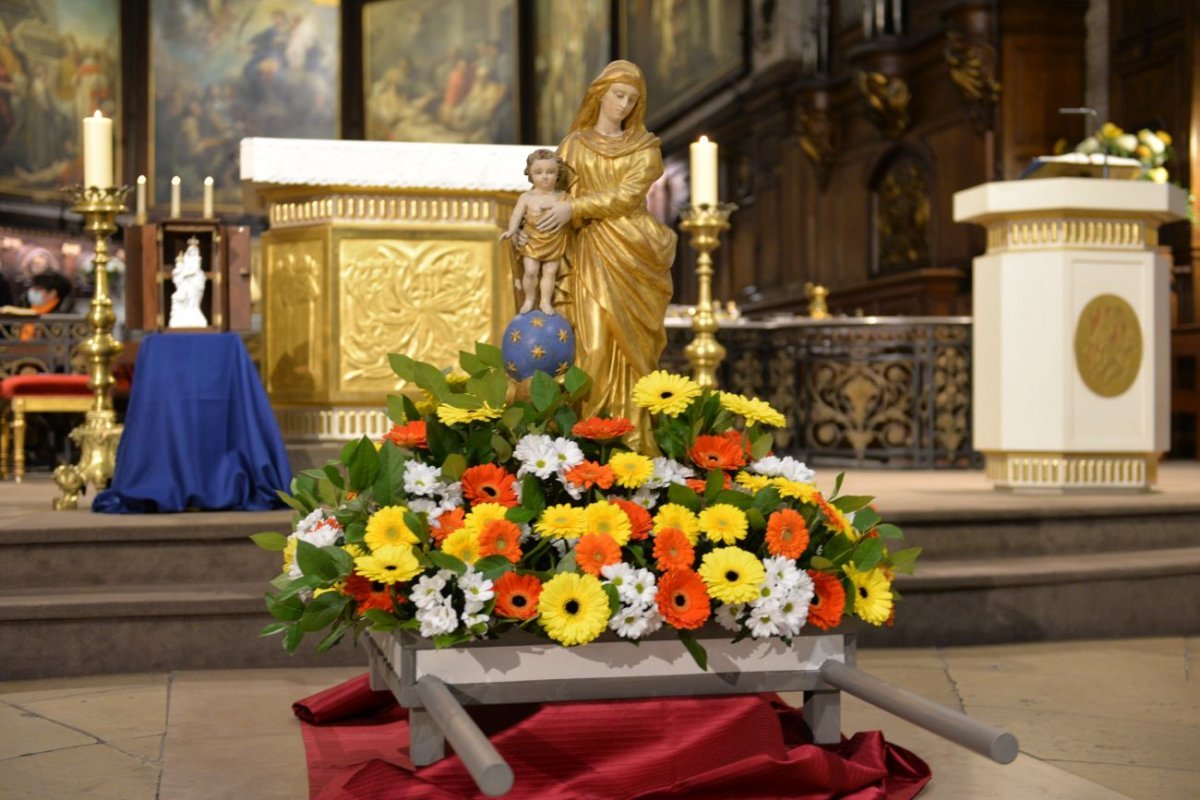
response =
{"points": [[732, 497], [334, 637], [493, 567], [273, 628], [695, 648], [446, 561], [713, 485], [388, 487], [403, 366], [684, 496], [614, 599], [868, 554], [543, 391], [851, 502], [866, 519], [888, 531], [396, 411], [532, 496], [762, 445], [269, 540], [291, 639], [490, 355], [288, 609], [577, 383], [322, 611], [905, 560], [315, 562], [362, 462], [472, 364]]}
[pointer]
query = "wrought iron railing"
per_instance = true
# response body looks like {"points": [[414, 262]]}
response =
{"points": [[883, 391], [48, 343]]}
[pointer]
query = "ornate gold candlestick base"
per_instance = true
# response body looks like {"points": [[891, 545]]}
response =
{"points": [[705, 223], [99, 434]]}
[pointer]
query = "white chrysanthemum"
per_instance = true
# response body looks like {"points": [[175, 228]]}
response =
{"points": [[727, 616], [561, 546], [422, 480], [470, 620], [537, 456], [631, 622], [617, 574], [472, 607], [763, 623], [475, 587], [451, 495], [430, 508], [323, 534], [306, 525], [792, 615], [782, 572], [527, 532], [576, 492], [668, 471], [427, 591], [436, 620], [784, 467], [640, 588], [567, 453], [645, 497], [1127, 142]]}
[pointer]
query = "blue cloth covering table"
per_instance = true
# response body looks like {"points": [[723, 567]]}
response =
{"points": [[199, 432]]}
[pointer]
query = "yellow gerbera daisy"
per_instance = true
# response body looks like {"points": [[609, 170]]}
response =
{"points": [[386, 526], [450, 415], [723, 523], [754, 410], [607, 518], [673, 515], [354, 550], [462, 544], [562, 522], [481, 515], [732, 575], [391, 563], [573, 608], [631, 470], [795, 490], [751, 481], [872, 594], [665, 393]]}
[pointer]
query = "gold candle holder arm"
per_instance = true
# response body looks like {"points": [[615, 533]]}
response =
{"points": [[705, 224], [99, 434]]}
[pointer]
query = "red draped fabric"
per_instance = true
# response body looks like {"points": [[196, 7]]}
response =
{"points": [[748, 746]]}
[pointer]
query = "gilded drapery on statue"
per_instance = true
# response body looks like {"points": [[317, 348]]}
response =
{"points": [[618, 283]]}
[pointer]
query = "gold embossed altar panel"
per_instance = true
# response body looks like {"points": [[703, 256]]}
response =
{"points": [[296, 340]]}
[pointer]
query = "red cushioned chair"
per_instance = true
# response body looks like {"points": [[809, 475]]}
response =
{"points": [[36, 393]]}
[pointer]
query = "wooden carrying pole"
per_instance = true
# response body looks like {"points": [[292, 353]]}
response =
{"points": [[492, 775]]}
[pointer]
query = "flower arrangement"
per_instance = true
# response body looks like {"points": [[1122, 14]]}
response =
{"points": [[1151, 148], [477, 514]]}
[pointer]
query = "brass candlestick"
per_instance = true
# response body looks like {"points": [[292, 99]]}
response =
{"points": [[99, 434], [705, 223]]}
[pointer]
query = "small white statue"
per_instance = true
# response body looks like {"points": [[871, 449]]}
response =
{"points": [[189, 280]]}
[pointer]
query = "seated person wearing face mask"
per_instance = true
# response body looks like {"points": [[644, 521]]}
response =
{"points": [[49, 293]]}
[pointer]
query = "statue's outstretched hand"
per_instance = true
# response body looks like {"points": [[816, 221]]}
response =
{"points": [[554, 217]]}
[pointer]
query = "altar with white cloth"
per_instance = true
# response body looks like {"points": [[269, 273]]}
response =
{"points": [[375, 248]]}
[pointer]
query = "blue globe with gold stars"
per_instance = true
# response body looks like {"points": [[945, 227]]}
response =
{"points": [[536, 341]]}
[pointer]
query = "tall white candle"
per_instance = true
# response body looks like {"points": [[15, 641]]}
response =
{"points": [[97, 151], [704, 172], [141, 199], [208, 197], [175, 190]]}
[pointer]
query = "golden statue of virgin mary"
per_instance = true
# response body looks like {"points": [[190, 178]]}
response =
{"points": [[618, 281]]}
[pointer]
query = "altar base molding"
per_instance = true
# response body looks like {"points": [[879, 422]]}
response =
{"points": [[375, 248], [1071, 318]]}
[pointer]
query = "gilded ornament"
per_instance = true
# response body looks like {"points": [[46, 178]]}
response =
{"points": [[972, 63], [1108, 345], [886, 99]]}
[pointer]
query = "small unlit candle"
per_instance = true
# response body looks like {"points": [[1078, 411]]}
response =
{"points": [[208, 198], [141, 199], [704, 172], [175, 190]]}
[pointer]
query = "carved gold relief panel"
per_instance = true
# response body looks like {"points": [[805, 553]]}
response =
{"points": [[294, 325], [427, 298]]}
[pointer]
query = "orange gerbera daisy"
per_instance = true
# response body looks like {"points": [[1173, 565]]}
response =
{"points": [[596, 550], [369, 594], [639, 518], [828, 602], [517, 595], [500, 537], [589, 474], [488, 483], [602, 429], [837, 520], [787, 535], [738, 438], [410, 435], [717, 452], [672, 550], [700, 485], [682, 599], [446, 524]]}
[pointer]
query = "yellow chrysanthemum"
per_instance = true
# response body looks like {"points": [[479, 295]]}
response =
{"points": [[1110, 131], [426, 404], [457, 379], [673, 515], [450, 415], [289, 553], [723, 523], [665, 393], [354, 550], [573, 608], [481, 515], [872, 594], [391, 563], [462, 544], [562, 522], [751, 481], [386, 526], [732, 575], [631, 470], [795, 490], [608, 519], [756, 412], [1164, 137]]}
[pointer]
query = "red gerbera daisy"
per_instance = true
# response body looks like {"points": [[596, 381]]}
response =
{"points": [[589, 474], [672, 550], [602, 429], [446, 524], [500, 537], [682, 599], [517, 595], [639, 518], [828, 602], [410, 435], [717, 452], [488, 483], [787, 535], [596, 550]]}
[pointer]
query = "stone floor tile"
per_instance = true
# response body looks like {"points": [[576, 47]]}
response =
{"points": [[265, 766], [95, 772], [916, 657], [118, 713], [1096, 658], [1140, 782], [147, 748], [22, 733], [52, 688]]}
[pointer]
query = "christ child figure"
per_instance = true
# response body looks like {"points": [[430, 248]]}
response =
{"points": [[540, 251]]}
